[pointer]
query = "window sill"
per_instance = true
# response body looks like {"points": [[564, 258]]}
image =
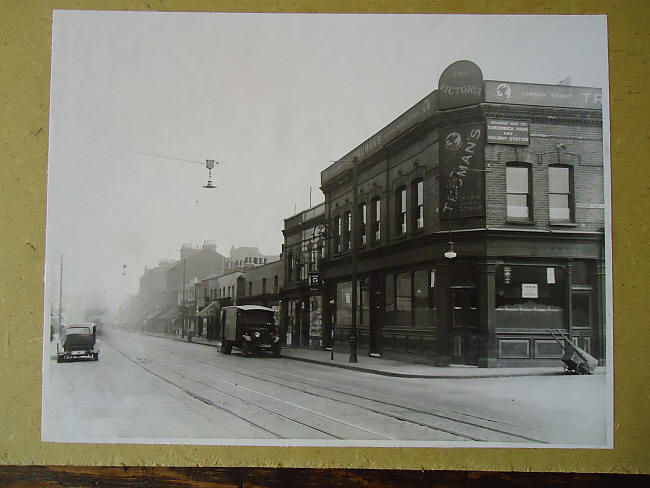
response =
{"points": [[520, 221], [562, 223]]}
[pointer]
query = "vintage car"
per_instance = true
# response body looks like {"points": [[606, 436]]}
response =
{"points": [[77, 341], [250, 328]]}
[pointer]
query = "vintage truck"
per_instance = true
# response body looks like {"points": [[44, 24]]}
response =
{"points": [[250, 328]]}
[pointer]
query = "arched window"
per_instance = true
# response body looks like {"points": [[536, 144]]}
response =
{"points": [[347, 231], [400, 211], [375, 208], [362, 220], [336, 233], [418, 204]]}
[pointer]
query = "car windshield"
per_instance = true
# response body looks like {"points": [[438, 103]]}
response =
{"points": [[257, 318]]}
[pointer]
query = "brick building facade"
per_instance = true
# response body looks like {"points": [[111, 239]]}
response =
{"points": [[508, 176]]}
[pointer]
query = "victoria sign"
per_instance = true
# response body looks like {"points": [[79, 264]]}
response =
{"points": [[460, 84]]}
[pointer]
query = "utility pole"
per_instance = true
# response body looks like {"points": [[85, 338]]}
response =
{"points": [[353, 224], [61, 295], [183, 304]]}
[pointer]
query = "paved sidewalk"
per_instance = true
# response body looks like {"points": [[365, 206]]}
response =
{"points": [[401, 369]]}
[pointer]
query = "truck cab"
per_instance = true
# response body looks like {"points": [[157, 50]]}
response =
{"points": [[249, 328]]}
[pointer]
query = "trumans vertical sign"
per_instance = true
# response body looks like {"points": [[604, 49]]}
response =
{"points": [[462, 161], [462, 147]]}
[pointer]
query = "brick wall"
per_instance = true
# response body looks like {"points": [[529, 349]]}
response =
{"points": [[588, 177]]}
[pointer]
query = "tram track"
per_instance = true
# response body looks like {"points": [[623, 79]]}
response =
{"points": [[438, 415], [280, 381]]}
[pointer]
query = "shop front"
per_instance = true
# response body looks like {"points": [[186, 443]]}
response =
{"points": [[493, 311], [303, 319]]}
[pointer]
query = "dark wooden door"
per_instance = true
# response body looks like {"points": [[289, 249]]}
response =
{"points": [[376, 308], [464, 320]]}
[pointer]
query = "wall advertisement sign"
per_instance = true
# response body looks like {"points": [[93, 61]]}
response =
{"points": [[314, 280], [511, 132], [544, 95], [462, 161]]}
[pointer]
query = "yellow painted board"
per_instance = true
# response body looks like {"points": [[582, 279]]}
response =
{"points": [[25, 34]]}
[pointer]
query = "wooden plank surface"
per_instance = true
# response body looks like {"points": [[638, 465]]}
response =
{"points": [[144, 477]]}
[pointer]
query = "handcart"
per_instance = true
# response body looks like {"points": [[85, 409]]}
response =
{"points": [[575, 359]]}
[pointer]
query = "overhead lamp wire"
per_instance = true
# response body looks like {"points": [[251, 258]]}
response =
{"points": [[157, 155]]}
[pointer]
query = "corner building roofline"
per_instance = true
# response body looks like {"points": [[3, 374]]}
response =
{"points": [[491, 91]]}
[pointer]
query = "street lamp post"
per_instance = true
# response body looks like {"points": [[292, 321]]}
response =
{"points": [[183, 304], [353, 224]]}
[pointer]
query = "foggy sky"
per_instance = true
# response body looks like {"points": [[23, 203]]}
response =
{"points": [[275, 97]]}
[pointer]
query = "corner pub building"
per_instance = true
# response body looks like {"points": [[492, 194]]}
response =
{"points": [[478, 224]]}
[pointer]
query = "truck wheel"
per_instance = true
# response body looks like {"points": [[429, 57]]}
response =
{"points": [[246, 349]]}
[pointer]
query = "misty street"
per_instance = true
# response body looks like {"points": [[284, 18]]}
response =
{"points": [[145, 388]]}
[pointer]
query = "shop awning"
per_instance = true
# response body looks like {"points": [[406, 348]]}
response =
{"points": [[151, 314], [174, 313], [209, 310]]}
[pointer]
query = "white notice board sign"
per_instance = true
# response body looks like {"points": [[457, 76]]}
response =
{"points": [[529, 290]]}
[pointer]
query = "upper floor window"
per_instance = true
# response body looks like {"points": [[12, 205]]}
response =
{"points": [[363, 220], [250, 287], [336, 234], [263, 286], [347, 231], [418, 203], [313, 258], [275, 284], [559, 193], [400, 211], [376, 219], [518, 195], [290, 265]]}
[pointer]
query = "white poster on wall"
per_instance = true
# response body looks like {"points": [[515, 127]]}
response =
{"points": [[550, 276], [529, 290]]}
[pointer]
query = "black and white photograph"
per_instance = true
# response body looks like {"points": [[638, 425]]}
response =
{"points": [[328, 230]]}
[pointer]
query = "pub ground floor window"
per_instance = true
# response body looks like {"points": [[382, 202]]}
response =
{"points": [[409, 299], [344, 303], [529, 300], [531, 297]]}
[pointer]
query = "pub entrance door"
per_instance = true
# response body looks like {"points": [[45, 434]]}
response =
{"points": [[375, 309], [464, 321]]}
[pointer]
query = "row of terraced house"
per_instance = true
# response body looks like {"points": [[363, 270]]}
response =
{"points": [[471, 224]]}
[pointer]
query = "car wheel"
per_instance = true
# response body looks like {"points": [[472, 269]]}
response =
{"points": [[276, 350], [59, 358], [226, 347], [95, 356]]}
